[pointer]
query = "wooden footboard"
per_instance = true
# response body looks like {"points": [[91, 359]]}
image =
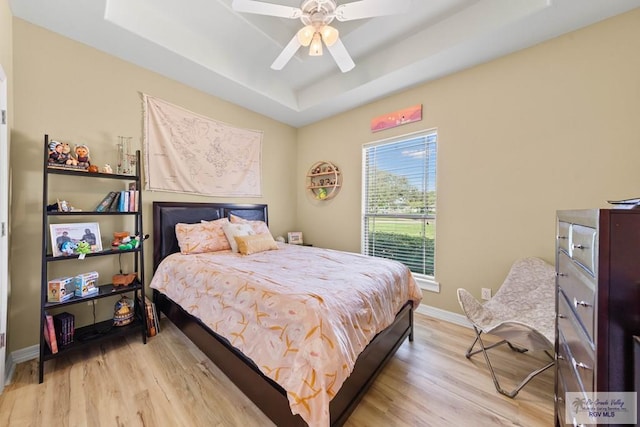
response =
{"points": [[267, 394]]}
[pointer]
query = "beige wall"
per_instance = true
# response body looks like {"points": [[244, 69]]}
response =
{"points": [[79, 94], [555, 126], [6, 37]]}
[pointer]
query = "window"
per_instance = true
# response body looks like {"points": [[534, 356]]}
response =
{"points": [[399, 201]]}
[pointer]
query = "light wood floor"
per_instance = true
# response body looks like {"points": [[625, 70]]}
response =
{"points": [[169, 382]]}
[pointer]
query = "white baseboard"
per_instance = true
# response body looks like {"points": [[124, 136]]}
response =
{"points": [[445, 315], [19, 356]]}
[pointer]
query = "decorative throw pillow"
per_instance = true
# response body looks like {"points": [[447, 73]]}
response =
{"points": [[202, 237], [252, 244], [233, 230], [260, 227]]}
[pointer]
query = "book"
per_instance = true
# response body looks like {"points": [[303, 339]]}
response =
{"points": [[106, 202], [136, 203], [147, 311], [113, 207], [124, 201], [156, 319], [50, 332]]}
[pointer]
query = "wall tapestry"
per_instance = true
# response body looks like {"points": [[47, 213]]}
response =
{"points": [[189, 153]]}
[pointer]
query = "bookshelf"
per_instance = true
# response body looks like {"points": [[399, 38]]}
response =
{"points": [[98, 331]]}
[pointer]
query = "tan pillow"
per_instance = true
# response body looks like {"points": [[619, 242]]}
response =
{"points": [[259, 227], [202, 237], [233, 230], [248, 245]]}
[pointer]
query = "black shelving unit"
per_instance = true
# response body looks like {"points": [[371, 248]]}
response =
{"points": [[100, 331]]}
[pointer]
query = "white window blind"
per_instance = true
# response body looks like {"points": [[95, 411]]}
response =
{"points": [[399, 201]]}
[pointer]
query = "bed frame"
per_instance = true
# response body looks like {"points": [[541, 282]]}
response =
{"points": [[264, 392]]}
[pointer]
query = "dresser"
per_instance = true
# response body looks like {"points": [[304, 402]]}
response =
{"points": [[597, 304]]}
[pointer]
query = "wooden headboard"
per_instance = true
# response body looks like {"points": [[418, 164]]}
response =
{"points": [[167, 214]]}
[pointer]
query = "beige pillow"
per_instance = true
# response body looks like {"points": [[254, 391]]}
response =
{"points": [[252, 244], [259, 227], [202, 237], [233, 230]]}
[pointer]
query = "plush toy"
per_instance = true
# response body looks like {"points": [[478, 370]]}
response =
{"points": [[129, 243], [68, 247], [82, 155], [83, 247]]}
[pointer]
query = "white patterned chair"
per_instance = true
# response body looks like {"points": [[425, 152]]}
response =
{"points": [[522, 313]]}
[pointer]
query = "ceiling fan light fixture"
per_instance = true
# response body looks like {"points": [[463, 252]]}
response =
{"points": [[329, 35], [316, 45], [305, 35]]}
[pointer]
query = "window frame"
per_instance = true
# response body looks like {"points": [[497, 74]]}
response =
{"points": [[426, 282]]}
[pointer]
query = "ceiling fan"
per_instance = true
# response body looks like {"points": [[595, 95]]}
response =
{"points": [[316, 15]]}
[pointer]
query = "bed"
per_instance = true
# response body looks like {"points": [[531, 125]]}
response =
{"points": [[251, 377]]}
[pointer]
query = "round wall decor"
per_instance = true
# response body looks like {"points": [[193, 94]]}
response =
{"points": [[324, 180]]}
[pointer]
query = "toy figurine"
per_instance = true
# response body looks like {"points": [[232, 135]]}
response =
{"points": [[322, 194], [107, 168], [82, 155], [66, 155]]}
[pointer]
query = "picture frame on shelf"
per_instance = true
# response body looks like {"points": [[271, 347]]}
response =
{"points": [[294, 238], [65, 238]]}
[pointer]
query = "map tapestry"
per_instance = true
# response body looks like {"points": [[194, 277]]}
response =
{"points": [[189, 153]]}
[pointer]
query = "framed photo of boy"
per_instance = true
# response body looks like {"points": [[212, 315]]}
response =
{"points": [[294, 237], [65, 237]]}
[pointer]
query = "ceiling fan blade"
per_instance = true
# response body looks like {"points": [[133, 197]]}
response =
{"points": [[341, 56], [286, 54], [262, 8], [370, 8]]}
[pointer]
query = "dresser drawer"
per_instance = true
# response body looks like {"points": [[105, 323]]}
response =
{"points": [[579, 290], [582, 247], [564, 230], [560, 398], [566, 370], [579, 352]]}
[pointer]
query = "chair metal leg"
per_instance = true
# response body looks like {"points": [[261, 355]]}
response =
{"points": [[484, 349]]}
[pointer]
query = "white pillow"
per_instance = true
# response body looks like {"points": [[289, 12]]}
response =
{"points": [[233, 230]]}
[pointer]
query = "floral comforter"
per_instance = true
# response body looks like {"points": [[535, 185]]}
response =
{"points": [[302, 314]]}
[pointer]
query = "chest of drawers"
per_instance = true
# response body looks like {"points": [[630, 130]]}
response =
{"points": [[597, 304]]}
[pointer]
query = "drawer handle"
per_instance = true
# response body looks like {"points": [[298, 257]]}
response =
{"points": [[561, 274], [561, 316], [574, 246], [580, 364], [576, 303], [562, 237]]}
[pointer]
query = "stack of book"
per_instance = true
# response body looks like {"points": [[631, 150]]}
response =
{"points": [[64, 324], [58, 330], [120, 201]]}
